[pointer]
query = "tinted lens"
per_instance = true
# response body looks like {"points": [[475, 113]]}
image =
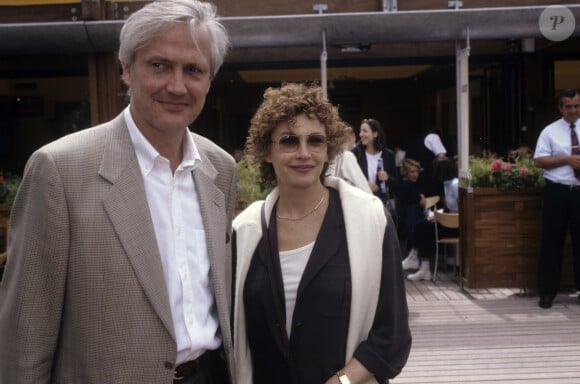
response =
{"points": [[289, 143], [316, 142]]}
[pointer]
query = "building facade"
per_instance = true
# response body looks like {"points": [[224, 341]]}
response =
{"points": [[393, 61]]}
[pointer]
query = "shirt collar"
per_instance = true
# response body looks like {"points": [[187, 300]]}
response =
{"points": [[147, 154]]}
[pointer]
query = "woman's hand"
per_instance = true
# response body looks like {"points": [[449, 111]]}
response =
{"points": [[382, 176], [356, 372]]}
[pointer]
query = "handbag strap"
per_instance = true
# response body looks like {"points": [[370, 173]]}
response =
{"points": [[276, 298]]}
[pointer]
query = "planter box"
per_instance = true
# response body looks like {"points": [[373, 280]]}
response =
{"points": [[500, 238]]}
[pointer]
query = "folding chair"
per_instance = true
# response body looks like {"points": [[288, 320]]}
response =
{"points": [[448, 220]]}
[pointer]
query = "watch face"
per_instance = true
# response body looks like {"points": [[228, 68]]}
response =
{"points": [[342, 377]]}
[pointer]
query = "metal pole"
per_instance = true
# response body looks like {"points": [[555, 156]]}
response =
{"points": [[320, 8], [462, 91], [323, 59]]}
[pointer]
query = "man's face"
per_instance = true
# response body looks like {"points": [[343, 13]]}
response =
{"points": [[169, 81], [570, 108]]}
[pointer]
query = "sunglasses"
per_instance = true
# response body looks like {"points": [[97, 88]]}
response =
{"points": [[291, 143]]}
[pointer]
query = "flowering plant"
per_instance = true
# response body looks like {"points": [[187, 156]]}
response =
{"points": [[8, 186], [496, 173], [249, 186]]}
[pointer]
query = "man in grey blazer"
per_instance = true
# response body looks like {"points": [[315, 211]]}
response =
{"points": [[119, 242]]}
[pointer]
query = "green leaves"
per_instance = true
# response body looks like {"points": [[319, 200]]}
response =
{"points": [[496, 173]]}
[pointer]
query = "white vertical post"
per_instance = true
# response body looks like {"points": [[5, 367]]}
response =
{"points": [[462, 90], [323, 58], [320, 8]]}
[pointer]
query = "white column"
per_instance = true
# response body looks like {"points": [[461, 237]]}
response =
{"points": [[462, 90], [323, 58]]}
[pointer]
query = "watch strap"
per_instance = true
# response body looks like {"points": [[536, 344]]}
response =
{"points": [[342, 377]]}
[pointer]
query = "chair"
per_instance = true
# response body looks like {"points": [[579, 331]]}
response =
{"points": [[431, 201], [448, 220]]}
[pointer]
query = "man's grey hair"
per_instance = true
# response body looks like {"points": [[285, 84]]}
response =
{"points": [[161, 15]]}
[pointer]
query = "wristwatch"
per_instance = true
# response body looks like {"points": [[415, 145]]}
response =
{"points": [[342, 377]]}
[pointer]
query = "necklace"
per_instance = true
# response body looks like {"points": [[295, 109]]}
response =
{"points": [[307, 214]]}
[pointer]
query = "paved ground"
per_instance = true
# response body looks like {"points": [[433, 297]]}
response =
{"points": [[490, 336]]}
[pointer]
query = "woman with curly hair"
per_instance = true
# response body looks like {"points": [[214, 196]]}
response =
{"points": [[319, 295]]}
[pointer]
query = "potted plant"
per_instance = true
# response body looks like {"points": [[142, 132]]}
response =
{"points": [[500, 209], [501, 175], [9, 184], [249, 184]]}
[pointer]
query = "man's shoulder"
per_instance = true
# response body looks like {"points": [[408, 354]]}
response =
{"points": [[86, 140], [554, 126]]}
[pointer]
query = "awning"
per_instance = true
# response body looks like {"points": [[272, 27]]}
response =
{"points": [[298, 30]]}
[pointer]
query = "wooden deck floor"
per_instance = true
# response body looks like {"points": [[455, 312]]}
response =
{"points": [[490, 336]]}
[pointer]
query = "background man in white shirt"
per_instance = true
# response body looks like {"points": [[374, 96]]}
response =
{"points": [[558, 152]]}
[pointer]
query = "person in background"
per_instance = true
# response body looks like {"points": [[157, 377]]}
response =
{"points": [[377, 163], [399, 157], [423, 246], [426, 149], [346, 166], [445, 170], [525, 151], [118, 245], [496, 152], [351, 138], [558, 153], [319, 291], [411, 210]]}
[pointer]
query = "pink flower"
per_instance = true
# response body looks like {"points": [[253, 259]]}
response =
{"points": [[523, 172], [496, 166], [508, 166]]}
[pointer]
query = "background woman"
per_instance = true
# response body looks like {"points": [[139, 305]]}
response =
{"points": [[319, 290], [423, 244], [372, 148]]}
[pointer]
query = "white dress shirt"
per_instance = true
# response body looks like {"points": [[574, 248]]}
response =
{"points": [[555, 141], [180, 234]]}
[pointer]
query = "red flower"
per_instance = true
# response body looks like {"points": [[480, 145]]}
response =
{"points": [[523, 172], [1, 178], [508, 166], [496, 166]]}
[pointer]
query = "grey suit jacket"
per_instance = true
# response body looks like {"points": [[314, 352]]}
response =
{"points": [[83, 298]]}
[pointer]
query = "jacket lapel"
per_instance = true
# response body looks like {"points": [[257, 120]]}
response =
{"points": [[128, 210], [326, 245], [212, 204]]}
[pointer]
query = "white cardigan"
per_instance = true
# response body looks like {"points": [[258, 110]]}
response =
{"points": [[365, 223]]}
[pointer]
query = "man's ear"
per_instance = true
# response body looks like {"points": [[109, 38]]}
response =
{"points": [[126, 74]]}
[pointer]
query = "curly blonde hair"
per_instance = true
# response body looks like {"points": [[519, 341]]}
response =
{"points": [[284, 104], [406, 166]]}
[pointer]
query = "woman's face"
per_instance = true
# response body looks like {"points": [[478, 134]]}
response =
{"points": [[298, 166], [413, 174], [366, 134]]}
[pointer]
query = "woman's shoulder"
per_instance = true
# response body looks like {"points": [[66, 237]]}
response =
{"points": [[353, 198], [250, 215], [388, 152]]}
